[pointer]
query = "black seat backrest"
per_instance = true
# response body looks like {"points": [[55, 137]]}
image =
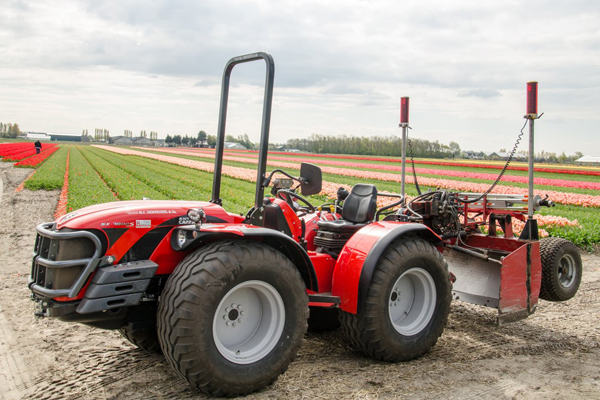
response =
{"points": [[360, 205]]}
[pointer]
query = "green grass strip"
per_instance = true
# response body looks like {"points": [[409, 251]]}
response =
{"points": [[125, 185], [51, 174], [85, 185]]}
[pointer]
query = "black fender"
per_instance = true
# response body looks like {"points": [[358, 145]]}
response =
{"points": [[275, 239]]}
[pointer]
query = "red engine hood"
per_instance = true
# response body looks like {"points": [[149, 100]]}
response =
{"points": [[143, 214]]}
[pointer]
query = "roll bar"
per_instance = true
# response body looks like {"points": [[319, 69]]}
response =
{"points": [[266, 121]]}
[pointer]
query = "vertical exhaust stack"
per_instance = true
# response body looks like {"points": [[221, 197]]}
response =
{"points": [[404, 101], [530, 231]]}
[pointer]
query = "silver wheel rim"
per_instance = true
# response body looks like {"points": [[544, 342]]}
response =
{"points": [[412, 301], [248, 322], [566, 271]]}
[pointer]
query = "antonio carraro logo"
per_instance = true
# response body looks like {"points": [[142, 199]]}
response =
{"points": [[143, 223]]}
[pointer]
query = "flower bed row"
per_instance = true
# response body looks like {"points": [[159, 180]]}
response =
{"points": [[24, 153], [558, 197], [470, 164], [329, 188], [38, 159], [423, 171], [7, 149]]}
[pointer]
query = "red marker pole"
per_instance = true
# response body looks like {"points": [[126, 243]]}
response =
{"points": [[532, 115], [404, 125], [530, 230]]}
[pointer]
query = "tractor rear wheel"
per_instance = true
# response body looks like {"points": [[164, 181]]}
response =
{"points": [[232, 317], [407, 303], [561, 269]]}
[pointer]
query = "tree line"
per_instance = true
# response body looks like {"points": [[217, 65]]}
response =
{"points": [[9, 130], [374, 145]]}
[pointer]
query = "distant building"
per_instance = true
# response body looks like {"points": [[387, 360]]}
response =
{"points": [[588, 160], [44, 137], [65, 137], [474, 155], [135, 141], [233, 146]]}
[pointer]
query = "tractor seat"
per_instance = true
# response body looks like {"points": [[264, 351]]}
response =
{"points": [[358, 210]]}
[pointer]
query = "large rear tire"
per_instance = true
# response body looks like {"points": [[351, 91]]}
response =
{"points": [[407, 303], [561, 269], [232, 317]]}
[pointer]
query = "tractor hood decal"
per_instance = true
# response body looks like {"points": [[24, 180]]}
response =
{"points": [[139, 214]]}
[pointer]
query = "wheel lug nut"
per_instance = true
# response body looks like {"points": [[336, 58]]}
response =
{"points": [[233, 324], [225, 316], [241, 313], [232, 305], [240, 320], [227, 309], [228, 323]]}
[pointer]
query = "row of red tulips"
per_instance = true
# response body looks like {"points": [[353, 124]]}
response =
{"points": [[36, 160], [424, 171], [470, 164], [559, 197], [329, 188]]}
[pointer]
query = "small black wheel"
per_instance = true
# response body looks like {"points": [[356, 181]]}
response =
{"points": [[407, 303], [145, 339], [323, 319], [561, 269], [232, 317]]}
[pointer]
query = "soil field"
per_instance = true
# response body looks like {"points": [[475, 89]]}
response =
{"points": [[552, 355]]}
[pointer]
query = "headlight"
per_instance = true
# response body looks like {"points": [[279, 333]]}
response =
{"points": [[196, 215], [181, 237]]}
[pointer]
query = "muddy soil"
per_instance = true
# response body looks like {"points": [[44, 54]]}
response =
{"points": [[554, 354]]}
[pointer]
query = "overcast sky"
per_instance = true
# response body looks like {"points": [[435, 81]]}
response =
{"points": [[340, 68]]}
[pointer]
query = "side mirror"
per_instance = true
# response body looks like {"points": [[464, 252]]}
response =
{"points": [[311, 179]]}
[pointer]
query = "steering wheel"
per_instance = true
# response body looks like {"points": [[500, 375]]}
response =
{"points": [[287, 196]]}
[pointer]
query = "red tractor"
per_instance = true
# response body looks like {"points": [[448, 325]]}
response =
{"points": [[226, 298]]}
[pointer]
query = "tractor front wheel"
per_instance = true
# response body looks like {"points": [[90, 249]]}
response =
{"points": [[232, 317], [407, 303], [561, 269], [145, 339]]}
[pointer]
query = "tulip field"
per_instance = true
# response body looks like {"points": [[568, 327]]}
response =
{"points": [[93, 174]]}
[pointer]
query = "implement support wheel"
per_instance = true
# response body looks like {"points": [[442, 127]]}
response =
{"points": [[561, 269]]}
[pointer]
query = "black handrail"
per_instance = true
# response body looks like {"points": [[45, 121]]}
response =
{"points": [[266, 121]]}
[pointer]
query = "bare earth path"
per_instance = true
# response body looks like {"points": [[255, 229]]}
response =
{"points": [[553, 354]]}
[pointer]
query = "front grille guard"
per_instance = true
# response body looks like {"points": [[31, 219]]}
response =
{"points": [[45, 231]]}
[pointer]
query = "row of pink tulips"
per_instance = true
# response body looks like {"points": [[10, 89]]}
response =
{"points": [[470, 164], [422, 171], [558, 197], [329, 188]]}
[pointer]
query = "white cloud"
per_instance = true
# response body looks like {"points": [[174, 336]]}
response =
{"points": [[341, 67]]}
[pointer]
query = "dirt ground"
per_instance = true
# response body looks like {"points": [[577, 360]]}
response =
{"points": [[554, 354]]}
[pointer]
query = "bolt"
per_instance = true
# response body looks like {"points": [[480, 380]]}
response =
{"points": [[225, 316], [227, 309], [233, 305], [233, 324], [240, 320], [239, 307], [227, 323], [241, 313]]}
